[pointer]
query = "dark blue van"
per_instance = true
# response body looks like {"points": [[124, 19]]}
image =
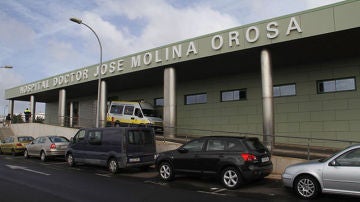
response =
{"points": [[115, 148]]}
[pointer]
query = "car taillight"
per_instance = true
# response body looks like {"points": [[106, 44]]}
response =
{"points": [[53, 146], [248, 157], [19, 145]]}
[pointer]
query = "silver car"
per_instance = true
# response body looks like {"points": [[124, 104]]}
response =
{"points": [[338, 174], [47, 146]]}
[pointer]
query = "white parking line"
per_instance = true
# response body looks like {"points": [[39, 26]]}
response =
{"points": [[213, 193], [103, 175], [157, 183]]}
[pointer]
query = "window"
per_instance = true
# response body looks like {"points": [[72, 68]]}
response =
{"points": [[140, 137], [233, 95], [159, 102], [129, 110], [95, 137], [234, 145], [117, 109], [336, 85], [195, 145], [215, 145], [79, 136], [284, 90], [351, 158], [196, 99], [58, 139]]}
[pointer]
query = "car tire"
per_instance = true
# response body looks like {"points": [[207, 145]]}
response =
{"points": [[43, 157], [13, 153], [70, 160], [113, 166], [26, 154], [306, 187], [231, 178], [166, 171]]}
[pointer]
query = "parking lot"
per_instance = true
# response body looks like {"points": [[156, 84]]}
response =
{"points": [[270, 188]]}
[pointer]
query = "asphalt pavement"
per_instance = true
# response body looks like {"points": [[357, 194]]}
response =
{"points": [[32, 180]]}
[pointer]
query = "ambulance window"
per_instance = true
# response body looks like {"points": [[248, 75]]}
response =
{"points": [[117, 109], [129, 110]]}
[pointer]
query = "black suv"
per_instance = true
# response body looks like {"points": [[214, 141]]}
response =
{"points": [[234, 159]]}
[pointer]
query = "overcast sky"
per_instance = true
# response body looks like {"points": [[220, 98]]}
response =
{"points": [[38, 39]]}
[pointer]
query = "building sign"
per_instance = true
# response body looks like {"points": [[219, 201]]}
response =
{"points": [[169, 54]]}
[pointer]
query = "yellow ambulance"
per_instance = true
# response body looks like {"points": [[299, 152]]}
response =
{"points": [[126, 113]]}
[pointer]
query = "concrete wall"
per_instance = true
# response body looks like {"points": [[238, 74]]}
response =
{"points": [[307, 114], [37, 129]]}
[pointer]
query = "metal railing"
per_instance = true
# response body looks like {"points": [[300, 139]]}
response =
{"points": [[183, 134]]}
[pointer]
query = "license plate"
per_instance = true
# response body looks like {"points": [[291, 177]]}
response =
{"points": [[265, 159], [132, 160]]}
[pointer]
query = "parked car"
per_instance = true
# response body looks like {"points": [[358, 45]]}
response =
{"points": [[338, 174], [115, 148], [15, 144], [234, 160], [47, 146]]}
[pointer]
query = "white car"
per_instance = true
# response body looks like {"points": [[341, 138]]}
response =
{"points": [[338, 174]]}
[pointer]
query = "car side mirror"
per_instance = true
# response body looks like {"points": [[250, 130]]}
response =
{"points": [[182, 150], [333, 163]]}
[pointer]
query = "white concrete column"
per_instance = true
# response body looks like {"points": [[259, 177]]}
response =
{"points": [[268, 104], [62, 106], [103, 99], [71, 119], [169, 102], [11, 107], [32, 108]]}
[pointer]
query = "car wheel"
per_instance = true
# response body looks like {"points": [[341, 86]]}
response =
{"points": [[43, 156], [113, 166], [13, 152], [231, 178], [166, 171], [306, 187], [70, 160], [26, 154]]}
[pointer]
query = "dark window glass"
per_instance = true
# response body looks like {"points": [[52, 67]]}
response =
{"points": [[129, 110], [195, 145], [233, 95], [284, 90], [254, 144], [234, 145], [159, 102], [95, 137], [215, 145], [351, 158], [196, 99], [336, 85], [79, 136], [140, 137], [58, 139], [117, 109]]}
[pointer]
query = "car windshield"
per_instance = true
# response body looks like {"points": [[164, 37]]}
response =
{"points": [[25, 139], [58, 139], [255, 144], [149, 112]]}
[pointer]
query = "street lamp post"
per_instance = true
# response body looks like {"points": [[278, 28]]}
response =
{"points": [[99, 80]]}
